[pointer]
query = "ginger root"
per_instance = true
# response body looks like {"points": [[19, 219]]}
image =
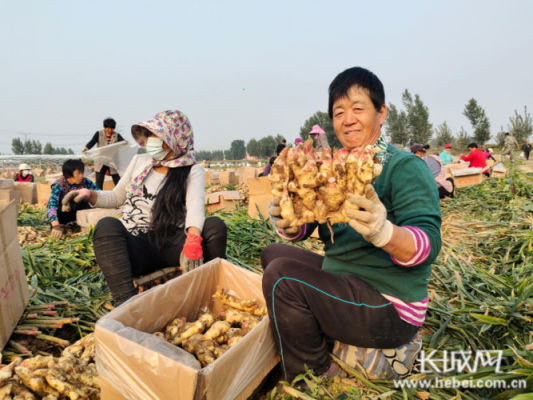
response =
{"points": [[218, 329]]}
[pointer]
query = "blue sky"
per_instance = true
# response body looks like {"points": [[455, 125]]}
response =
{"points": [[66, 65]]}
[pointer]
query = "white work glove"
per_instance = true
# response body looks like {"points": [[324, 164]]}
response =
{"points": [[274, 212], [84, 149], [372, 223], [76, 196], [57, 232]]}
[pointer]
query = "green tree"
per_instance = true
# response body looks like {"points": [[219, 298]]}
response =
{"points": [[62, 151], [71, 152], [463, 140], [500, 137], [322, 119], [37, 147], [253, 148], [479, 121], [279, 138], [444, 135], [521, 127], [396, 125], [267, 146], [238, 149], [218, 155], [28, 147], [48, 149], [418, 125], [17, 147]]}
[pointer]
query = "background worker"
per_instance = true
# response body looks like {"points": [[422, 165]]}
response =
{"points": [[446, 156], [163, 220], [103, 138], [321, 141], [24, 174], [445, 185], [476, 158], [370, 289], [297, 141], [281, 146], [268, 167], [72, 181], [509, 145], [526, 148]]}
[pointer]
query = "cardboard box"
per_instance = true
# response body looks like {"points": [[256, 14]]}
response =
{"points": [[248, 173], [490, 163], [8, 184], [499, 171], [38, 172], [51, 178], [227, 178], [90, 217], [44, 191], [219, 200], [28, 192], [467, 177], [260, 192], [207, 178], [9, 196], [108, 183], [140, 366], [13, 286]]}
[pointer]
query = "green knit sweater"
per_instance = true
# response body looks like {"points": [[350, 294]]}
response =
{"points": [[406, 187]]}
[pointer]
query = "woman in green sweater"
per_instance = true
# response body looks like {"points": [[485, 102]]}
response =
{"points": [[370, 289]]}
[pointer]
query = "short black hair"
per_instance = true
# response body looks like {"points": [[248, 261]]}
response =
{"points": [[472, 146], [506, 134], [284, 141], [272, 160], [72, 165], [110, 123], [361, 78]]}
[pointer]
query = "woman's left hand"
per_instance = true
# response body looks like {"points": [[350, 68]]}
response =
{"points": [[372, 223], [192, 253], [77, 196]]}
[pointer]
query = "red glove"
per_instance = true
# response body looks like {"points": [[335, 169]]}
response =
{"points": [[193, 247]]}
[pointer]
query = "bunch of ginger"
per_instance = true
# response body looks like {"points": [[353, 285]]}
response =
{"points": [[309, 188], [72, 376], [209, 337]]}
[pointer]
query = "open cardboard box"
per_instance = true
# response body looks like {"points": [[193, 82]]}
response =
{"points": [[499, 171], [28, 192], [44, 191], [90, 217], [140, 366], [219, 200]]}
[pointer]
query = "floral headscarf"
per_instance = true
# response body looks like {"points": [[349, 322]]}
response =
{"points": [[174, 128]]}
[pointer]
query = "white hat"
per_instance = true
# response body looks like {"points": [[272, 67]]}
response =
{"points": [[490, 150], [23, 167]]}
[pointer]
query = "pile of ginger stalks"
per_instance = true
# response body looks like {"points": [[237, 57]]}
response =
{"points": [[308, 187]]}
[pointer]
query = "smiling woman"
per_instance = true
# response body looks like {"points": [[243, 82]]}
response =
{"points": [[375, 272]]}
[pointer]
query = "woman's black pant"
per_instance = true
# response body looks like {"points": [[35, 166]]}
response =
{"points": [[306, 305], [123, 256], [444, 193], [100, 177]]}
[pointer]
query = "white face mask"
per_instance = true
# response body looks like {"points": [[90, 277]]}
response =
{"points": [[25, 173], [154, 147]]}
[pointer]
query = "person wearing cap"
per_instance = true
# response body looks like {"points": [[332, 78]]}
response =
{"points": [[297, 141], [476, 158], [446, 156], [369, 290], [103, 138], [24, 174], [526, 148], [321, 141], [446, 186], [509, 145], [163, 222]]}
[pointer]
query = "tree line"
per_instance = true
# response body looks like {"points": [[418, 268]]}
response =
{"points": [[411, 125], [34, 147], [402, 126]]}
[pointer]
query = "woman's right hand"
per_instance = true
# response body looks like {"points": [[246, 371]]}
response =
{"points": [[76, 196], [57, 231], [274, 212]]}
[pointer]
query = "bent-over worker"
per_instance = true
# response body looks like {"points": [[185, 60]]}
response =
{"points": [[103, 138], [72, 181], [370, 289], [268, 167], [24, 174], [445, 185], [163, 220]]}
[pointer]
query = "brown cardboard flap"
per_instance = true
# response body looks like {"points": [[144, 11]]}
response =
{"points": [[466, 171], [13, 285], [91, 216], [259, 186], [213, 198], [28, 192], [141, 366], [260, 191], [8, 184]]}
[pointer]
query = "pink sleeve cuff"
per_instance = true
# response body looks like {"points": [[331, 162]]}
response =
{"points": [[300, 236], [422, 247]]}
